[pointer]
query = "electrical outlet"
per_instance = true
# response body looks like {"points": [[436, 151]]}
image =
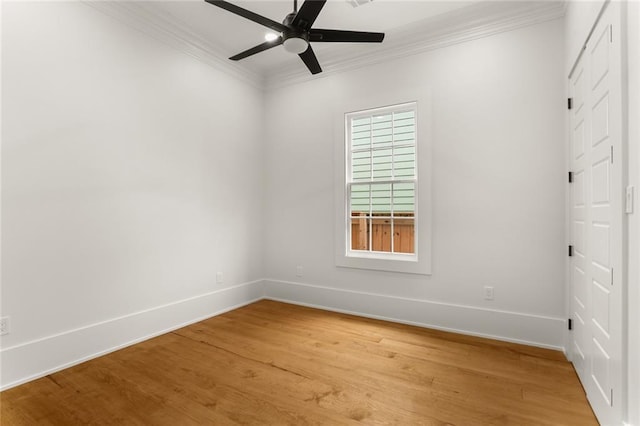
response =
{"points": [[219, 277], [299, 270], [4, 326], [488, 292]]}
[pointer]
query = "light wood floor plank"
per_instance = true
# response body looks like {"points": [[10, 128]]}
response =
{"points": [[271, 363]]}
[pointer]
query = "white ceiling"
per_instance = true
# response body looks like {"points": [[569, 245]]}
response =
{"points": [[213, 34], [230, 34]]}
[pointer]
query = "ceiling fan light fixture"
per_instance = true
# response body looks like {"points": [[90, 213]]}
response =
{"points": [[271, 36], [295, 45]]}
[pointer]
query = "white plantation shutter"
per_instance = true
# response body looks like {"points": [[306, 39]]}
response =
{"points": [[381, 179]]}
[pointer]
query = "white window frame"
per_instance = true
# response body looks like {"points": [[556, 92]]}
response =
{"points": [[420, 261]]}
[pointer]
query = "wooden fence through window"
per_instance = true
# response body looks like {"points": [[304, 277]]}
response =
{"points": [[403, 233]]}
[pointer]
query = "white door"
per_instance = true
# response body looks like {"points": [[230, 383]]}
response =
{"points": [[596, 219]]}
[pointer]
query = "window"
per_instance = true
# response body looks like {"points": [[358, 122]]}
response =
{"points": [[381, 180], [383, 184]]}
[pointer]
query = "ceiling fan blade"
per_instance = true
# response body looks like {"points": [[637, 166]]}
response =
{"points": [[310, 60], [337, 36], [308, 13], [257, 49], [275, 26]]}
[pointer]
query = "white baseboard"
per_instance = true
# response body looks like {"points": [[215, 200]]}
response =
{"points": [[534, 330], [31, 360], [28, 361]]}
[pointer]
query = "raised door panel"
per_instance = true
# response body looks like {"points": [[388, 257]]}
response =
{"points": [[604, 307]]}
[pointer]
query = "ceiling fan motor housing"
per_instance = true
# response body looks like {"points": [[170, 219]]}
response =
{"points": [[295, 39]]}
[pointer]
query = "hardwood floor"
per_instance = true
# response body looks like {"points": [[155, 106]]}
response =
{"points": [[271, 363]]}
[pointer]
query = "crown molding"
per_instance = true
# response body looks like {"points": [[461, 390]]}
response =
{"points": [[466, 24], [473, 22], [170, 31]]}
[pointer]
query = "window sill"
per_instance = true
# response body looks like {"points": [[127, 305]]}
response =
{"points": [[406, 264]]}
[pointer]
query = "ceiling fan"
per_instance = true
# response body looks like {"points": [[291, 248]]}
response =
{"points": [[296, 32]]}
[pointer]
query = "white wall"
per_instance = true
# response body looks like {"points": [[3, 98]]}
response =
{"points": [[497, 134], [130, 175]]}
